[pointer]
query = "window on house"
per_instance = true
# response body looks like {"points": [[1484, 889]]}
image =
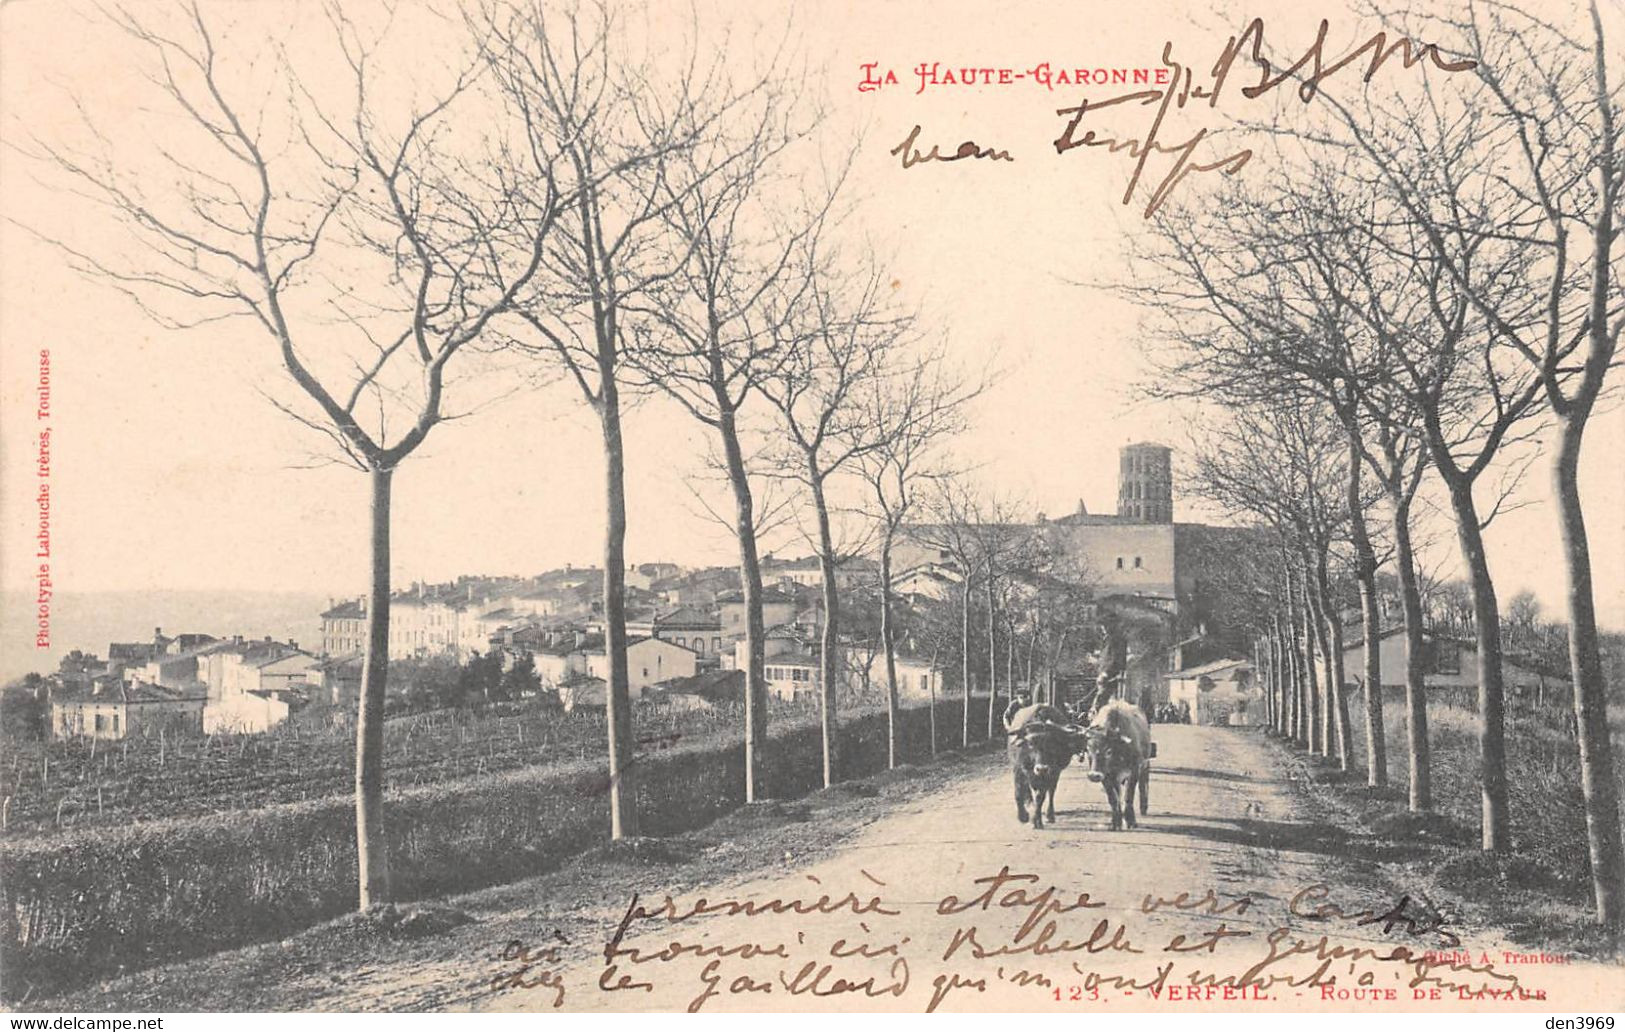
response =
{"points": [[101, 722], [115, 723], [1137, 563], [1119, 562]]}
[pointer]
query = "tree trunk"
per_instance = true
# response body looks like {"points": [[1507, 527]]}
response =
{"points": [[1365, 573], [1262, 672], [371, 845], [1597, 782], [1338, 732], [992, 657], [623, 796], [964, 654], [1283, 679], [1336, 677], [1032, 647], [750, 577], [931, 689], [1273, 658], [1327, 711], [1300, 678], [1010, 661], [1311, 620], [1055, 662], [887, 642], [829, 643], [1416, 700], [1497, 826]]}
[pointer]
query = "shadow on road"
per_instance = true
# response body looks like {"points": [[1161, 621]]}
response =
{"points": [[1323, 839], [1214, 775]]}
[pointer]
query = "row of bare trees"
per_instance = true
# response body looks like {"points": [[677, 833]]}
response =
{"points": [[562, 191], [1429, 291]]}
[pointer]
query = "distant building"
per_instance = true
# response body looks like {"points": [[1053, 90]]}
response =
{"points": [[778, 607], [808, 571], [792, 666], [552, 657], [335, 682], [583, 692], [1137, 553], [178, 670], [1447, 662], [122, 655], [648, 661], [108, 709], [689, 626], [253, 712], [791, 674], [646, 575], [695, 587], [254, 685], [1222, 692], [918, 678], [705, 690], [344, 627], [935, 581], [423, 622]]}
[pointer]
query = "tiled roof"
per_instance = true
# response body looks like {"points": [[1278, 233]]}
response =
{"points": [[690, 616], [137, 692], [1214, 667], [769, 595]]}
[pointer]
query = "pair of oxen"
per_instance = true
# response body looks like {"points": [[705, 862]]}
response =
{"points": [[1115, 747]]}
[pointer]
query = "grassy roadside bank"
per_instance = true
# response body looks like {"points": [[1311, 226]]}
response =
{"points": [[444, 953], [84, 906], [1539, 894]]}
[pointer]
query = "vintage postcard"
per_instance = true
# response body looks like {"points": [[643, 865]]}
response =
{"points": [[614, 506]]}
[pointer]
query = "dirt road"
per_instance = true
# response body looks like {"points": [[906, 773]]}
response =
{"points": [[1222, 896], [919, 890]]}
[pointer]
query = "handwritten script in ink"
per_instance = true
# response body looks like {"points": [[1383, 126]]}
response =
{"points": [[1164, 158], [1029, 942]]}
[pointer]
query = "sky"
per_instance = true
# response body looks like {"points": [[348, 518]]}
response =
{"points": [[169, 469]]}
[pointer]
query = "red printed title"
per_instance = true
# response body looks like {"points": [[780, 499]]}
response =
{"points": [[931, 74]]}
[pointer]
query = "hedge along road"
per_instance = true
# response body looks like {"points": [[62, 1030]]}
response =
{"points": [[1225, 896], [915, 888]]}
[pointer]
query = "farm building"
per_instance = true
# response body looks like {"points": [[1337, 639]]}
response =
{"points": [[648, 662], [1449, 664], [1221, 692], [110, 710]]}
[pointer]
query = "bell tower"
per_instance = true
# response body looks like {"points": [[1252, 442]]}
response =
{"points": [[1145, 486]]}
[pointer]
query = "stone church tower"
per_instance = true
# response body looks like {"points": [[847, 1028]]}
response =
{"points": [[1145, 488]]}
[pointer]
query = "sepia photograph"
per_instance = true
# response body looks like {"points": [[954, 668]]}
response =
{"points": [[808, 506]]}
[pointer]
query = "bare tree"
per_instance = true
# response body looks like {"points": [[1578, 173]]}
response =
{"points": [[1282, 465], [1000, 541], [836, 345], [951, 530], [1398, 461], [741, 256], [1544, 198], [349, 232], [909, 414], [580, 90]]}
